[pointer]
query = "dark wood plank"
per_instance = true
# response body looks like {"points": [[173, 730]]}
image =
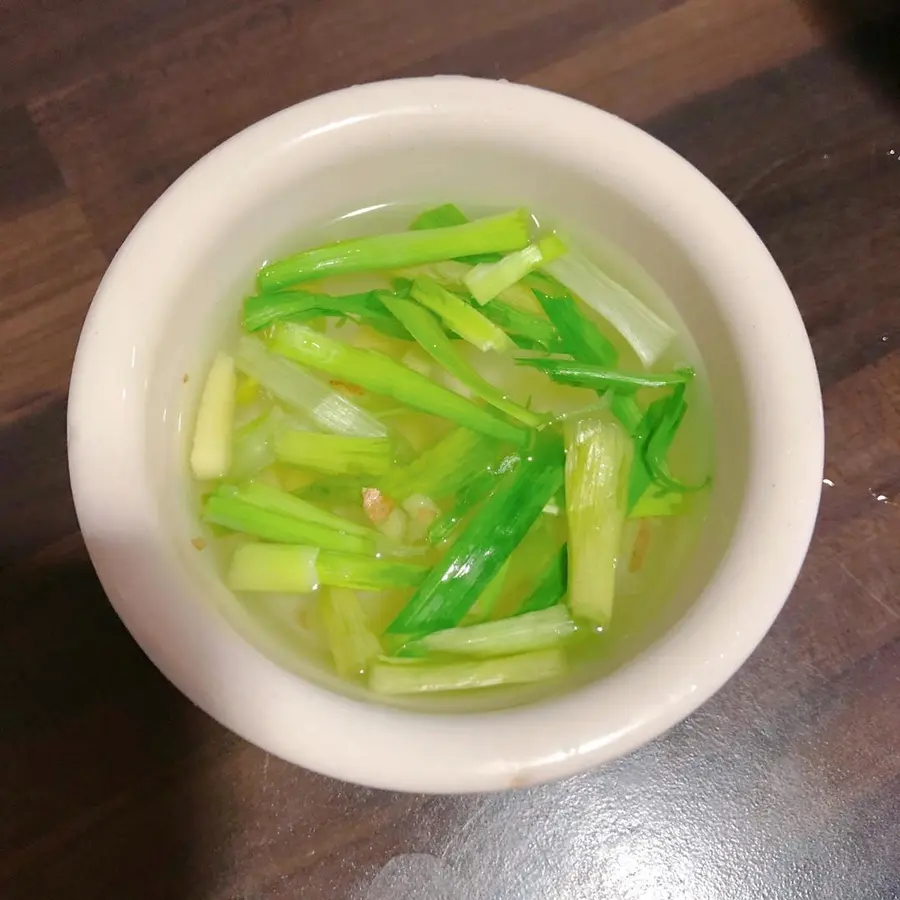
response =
{"points": [[785, 785]]}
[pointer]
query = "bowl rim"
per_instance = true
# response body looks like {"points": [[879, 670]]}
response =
{"points": [[478, 751]]}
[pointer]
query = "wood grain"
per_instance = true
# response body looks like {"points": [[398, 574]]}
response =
{"points": [[784, 786]]}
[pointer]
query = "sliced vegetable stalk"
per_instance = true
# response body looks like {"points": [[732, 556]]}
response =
{"points": [[599, 378], [445, 525], [299, 306], [353, 645], [452, 587], [502, 233], [466, 321], [552, 585], [452, 274], [226, 509], [363, 573], [528, 331], [598, 456], [277, 568], [488, 280], [582, 339], [444, 216], [293, 568], [519, 634], [252, 446], [211, 450], [408, 677], [305, 393], [443, 468], [283, 503], [382, 375], [334, 454], [644, 330], [484, 606], [422, 325]]}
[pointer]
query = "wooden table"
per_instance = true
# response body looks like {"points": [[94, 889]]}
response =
{"points": [[786, 785]]}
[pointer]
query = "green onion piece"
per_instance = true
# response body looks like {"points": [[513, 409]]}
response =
{"points": [[598, 456], [211, 450], [414, 677], [226, 509], [453, 586], [353, 645], [552, 586], [580, 336], [653, 437], [463, 319], [382, 375], [333, 453], [469, 497], [444, 216], [426, 330], [641, 476], [263, 310], [487, 280], [658, 506], [277, 501], [439, 217], [583, 340], [495, 234], [252, 446], [528, 331], [519, 634], [484, 606], [444, 467], [279, 568], [301, 391], [661, 439], [644, 330], [362, 573], [598, 378]]}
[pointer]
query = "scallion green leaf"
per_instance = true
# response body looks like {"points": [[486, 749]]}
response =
{"points": [[453, 586], [494, 234], [598, 378], [382, 375], [426, 330]]}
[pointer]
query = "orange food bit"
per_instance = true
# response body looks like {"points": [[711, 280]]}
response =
{"points": [[376, 505], [348, 388]]}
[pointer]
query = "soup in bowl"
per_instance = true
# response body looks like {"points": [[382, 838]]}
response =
{"points": [[428, 513]]}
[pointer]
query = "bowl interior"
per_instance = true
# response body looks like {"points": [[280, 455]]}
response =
{"points": [[394, 176], [169, 299]]}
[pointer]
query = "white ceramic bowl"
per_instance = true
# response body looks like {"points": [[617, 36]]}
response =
{"points": [[173, 283]]}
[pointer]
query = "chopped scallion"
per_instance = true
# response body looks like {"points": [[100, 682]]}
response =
{"points": [[414, 677], [488, 280], [381, 374], [494, 234]]}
